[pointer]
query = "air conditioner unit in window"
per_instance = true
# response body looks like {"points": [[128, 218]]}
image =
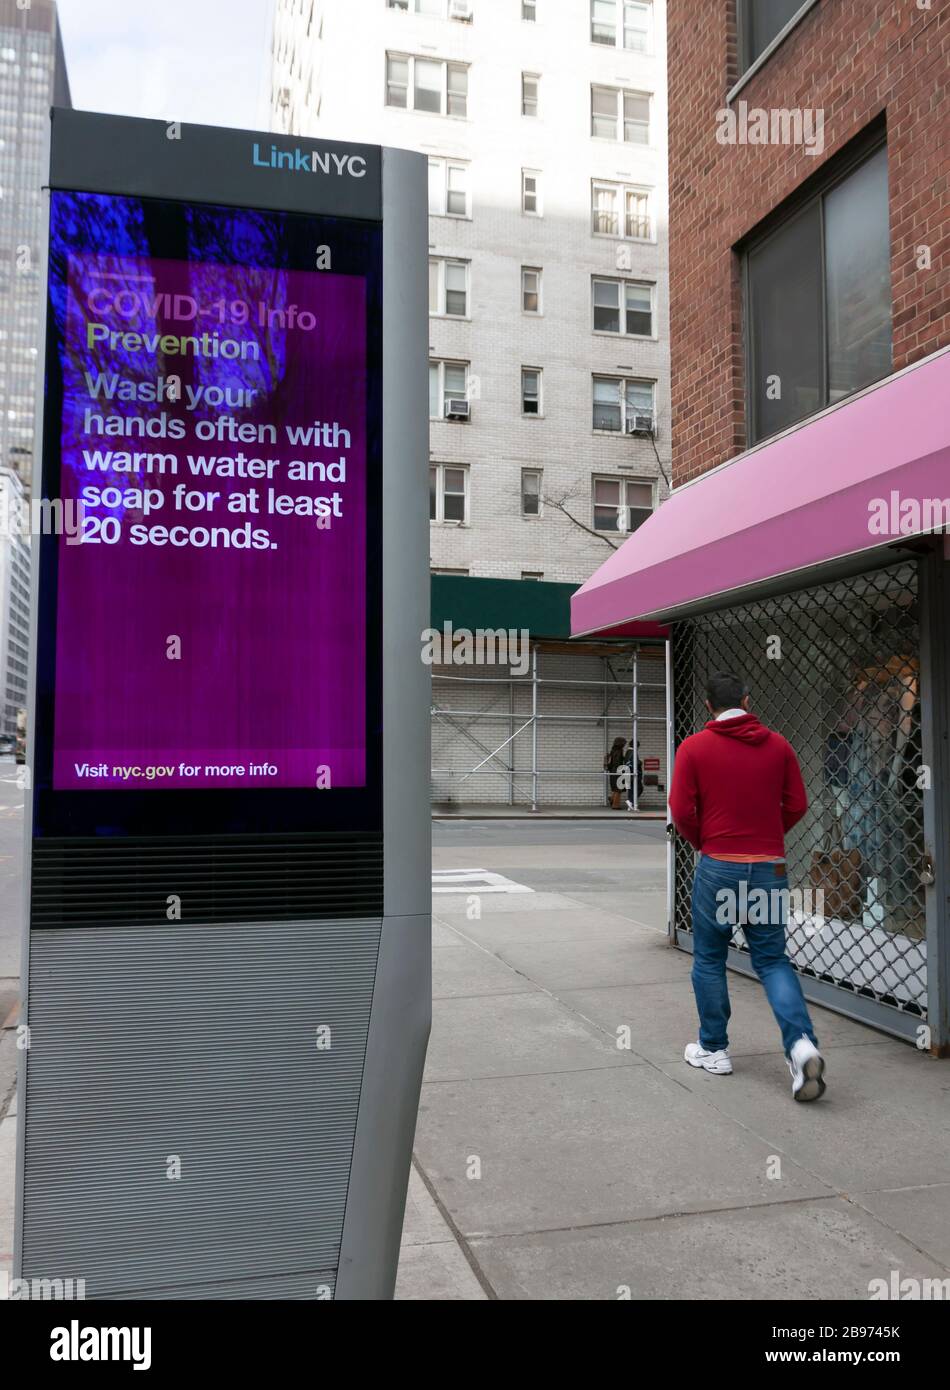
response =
{"points": [[461, 9], [457, 409], [640, 425]]}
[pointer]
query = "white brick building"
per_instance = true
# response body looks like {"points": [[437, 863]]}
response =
{"points": [[545, 127]]}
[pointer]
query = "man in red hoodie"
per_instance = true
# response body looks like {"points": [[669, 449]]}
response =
{"points": [[737, 789]]}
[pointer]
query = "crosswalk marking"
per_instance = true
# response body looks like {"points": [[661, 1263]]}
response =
{"points": [[474, 881]]}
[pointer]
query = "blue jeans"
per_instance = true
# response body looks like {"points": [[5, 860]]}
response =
{"points": [[762, 918]]}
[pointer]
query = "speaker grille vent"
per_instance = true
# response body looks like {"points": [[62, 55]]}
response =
{"points": [[236, 878]]}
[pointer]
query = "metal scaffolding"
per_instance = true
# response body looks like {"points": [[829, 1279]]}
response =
{"points": [[507, 722]]}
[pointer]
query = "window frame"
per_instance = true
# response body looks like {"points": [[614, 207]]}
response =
{"points": [[534, 77], [780, 222], [620, 28], [446, 164], [410, 107], [442, 313], [534, 473], [533, 414], [623, 382], [748, 65], [620, 119], [440, 518], [441, 363], [623, 479], [539, 209], [539, 272], [623, 189], [624, 280]]}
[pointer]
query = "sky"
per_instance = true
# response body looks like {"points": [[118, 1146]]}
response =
{"points": [[202, 61]]}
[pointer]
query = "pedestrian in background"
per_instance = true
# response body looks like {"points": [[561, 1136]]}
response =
{"points": [[613, 763]]}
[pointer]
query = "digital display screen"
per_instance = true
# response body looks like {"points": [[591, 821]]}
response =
{"points": [[212, 435]]}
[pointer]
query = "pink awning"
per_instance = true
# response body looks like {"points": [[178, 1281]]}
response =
{"points": [[792, 504]]}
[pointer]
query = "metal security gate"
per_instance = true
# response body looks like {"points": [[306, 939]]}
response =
{"points": [[837, 669]]}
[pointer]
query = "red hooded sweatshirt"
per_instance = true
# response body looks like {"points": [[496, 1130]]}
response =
{"points": [[737, 788]]}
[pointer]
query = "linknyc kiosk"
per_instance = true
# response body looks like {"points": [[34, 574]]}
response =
{"points": [[227, 930]]}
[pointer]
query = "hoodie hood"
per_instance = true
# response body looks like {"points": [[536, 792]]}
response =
{"points": [[746, 728]]}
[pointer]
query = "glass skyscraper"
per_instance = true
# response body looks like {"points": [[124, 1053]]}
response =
{"points": [[32, 78]]}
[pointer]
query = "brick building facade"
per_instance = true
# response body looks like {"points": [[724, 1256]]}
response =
{"points": [[864, 64]]}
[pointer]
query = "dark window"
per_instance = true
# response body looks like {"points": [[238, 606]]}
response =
{"points": [[818, 302], [759, 22]]}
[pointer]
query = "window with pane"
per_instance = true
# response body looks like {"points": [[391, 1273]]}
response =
{"points": [[437, 8], [425, 84], [622, 23], [621, 504], [448, 492], [448, 188], [531, 192], [530, 289], [624, 307], [607, 200], [622, 405], [819, 306], [617, 114], [530, 89], [530, 492], [758, 23], [448, 288], [448, 384], [530, 391]]}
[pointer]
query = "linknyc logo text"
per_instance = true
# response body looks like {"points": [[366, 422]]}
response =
{"points": [[300, 161]]}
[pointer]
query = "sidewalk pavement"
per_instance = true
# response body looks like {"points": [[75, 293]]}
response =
{"points": [[552, 1164], [565, 1167]]}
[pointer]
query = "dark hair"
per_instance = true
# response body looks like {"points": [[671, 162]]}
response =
{"points": [[725, 691]]}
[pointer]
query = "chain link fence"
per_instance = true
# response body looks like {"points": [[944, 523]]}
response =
{"points": [[836, 669]]}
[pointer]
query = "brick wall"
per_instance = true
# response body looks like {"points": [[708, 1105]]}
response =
{"points": [[858, 60]]}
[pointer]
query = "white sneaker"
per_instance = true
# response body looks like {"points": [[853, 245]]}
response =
{"points": [[719, 1063], [807, 1067]]}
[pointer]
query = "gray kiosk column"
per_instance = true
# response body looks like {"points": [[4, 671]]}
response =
{"points": [[152, 1039]]}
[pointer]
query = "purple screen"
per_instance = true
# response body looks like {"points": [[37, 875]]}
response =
{"points": [[211, 617]]}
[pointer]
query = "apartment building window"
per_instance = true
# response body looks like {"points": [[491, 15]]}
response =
{"points": [[448, 188], [531, 192], [532, 574], [759, 23], [439, 9], [448, 492], [529, 10], [621, 504], [818, 301], [530, 90], [530, 289], [448, 390], [622, 24], [617, 114], [531, 492], [426, 84], [620, 211], [448, 288], [624, 307], [531, 390], [622, 405]]}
